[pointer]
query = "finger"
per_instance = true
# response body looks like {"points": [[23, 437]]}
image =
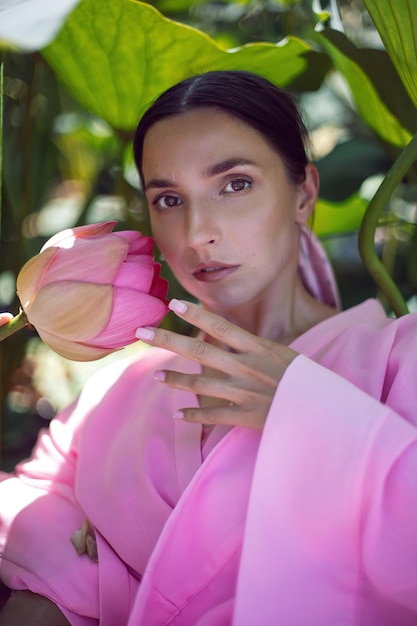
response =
{"points": [[229, 415], [199, 385], [216, 326], [189, 347]]}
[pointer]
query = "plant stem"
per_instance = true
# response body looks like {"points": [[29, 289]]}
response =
{"points": [[370, 221], [18, 322]]}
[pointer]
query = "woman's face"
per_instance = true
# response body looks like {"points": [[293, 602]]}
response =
{"points": [[223, 211]]}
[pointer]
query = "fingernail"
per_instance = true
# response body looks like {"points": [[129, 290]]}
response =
{"points": [[177, 306], [159, 375], [178, 415], [145, 333]]}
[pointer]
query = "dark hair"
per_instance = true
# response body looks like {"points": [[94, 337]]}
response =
{"points": [[246, 96]]}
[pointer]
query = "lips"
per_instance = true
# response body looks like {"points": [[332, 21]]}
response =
{"points": [[213, 271]]}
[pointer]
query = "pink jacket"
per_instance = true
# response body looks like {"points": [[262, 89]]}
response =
{"points": [[312, 522]]}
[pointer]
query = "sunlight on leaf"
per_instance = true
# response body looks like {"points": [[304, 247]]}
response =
{"points": [[396, 21], [355, 68], [335, 218], [116, 57]]}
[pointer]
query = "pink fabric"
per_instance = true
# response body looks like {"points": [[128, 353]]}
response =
{"points": [[316, 271], [323, 501]]}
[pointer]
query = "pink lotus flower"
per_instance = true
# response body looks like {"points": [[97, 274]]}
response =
{"points": [[88, 290]]}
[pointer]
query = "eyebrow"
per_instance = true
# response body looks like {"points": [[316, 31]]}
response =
{"points": [[224, 166], [159, 183], [213, 170]]}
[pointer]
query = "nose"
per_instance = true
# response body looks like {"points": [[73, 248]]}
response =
{"points": [[201, 227]]}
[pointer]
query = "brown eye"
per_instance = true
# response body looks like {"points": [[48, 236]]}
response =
{"points": [[237, 184], [166, 202]]}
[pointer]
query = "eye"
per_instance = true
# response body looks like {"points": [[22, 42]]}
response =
{"points": [[237, 184], [161, 203]]}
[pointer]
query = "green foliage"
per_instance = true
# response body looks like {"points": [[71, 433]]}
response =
{"points": [[396, 21], [377, 90], [115, 58], [335, 218]]}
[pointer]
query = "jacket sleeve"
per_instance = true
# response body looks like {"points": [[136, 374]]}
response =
{"points": [[332, 518], [39, 512]]}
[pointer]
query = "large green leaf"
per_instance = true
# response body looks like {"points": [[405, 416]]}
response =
{"points": [[377, 91], [335, 218], [116, 56], [396, 21]]}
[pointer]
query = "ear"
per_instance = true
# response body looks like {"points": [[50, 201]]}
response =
{"points": [[308, 192]]}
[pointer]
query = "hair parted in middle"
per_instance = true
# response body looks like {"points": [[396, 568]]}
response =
{"points": [[254, 100]]}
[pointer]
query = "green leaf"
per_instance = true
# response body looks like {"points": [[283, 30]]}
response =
{"points": [[396, 21], [334, 218], [344, 169], [317, 65], [116, 57], [366, 71]]}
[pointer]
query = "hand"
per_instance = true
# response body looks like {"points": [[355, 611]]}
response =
{"points": [[245, 379]]}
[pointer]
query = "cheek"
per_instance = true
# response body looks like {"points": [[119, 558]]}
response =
{"points": [[160, 234], [169, 246]]}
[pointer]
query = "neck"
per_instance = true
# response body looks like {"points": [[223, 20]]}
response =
{"points": [[280, 319]]}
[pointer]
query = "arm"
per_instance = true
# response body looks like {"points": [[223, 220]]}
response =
{"points": [[344, 463], [333, 508], [39, 512]]}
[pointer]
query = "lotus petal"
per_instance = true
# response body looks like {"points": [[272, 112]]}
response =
{"points": [[131, 309], [136, 275], [75, 311], [30, 276], [95, 260], [73, 350], [65, 238], [137, 244]]}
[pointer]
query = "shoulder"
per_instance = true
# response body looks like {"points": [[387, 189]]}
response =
{"points": [[369, 331], [361, 331], [375, 352]]}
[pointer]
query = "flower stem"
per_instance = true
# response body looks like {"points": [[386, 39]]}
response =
{"points": [[17, 322], [370, 221]]}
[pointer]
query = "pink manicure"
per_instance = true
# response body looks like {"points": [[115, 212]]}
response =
{"points": [[178, 415], [177, 306], [159, 375], [146, 334]]}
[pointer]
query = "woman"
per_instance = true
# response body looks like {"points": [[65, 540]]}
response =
{"points": [[263, 471]]}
